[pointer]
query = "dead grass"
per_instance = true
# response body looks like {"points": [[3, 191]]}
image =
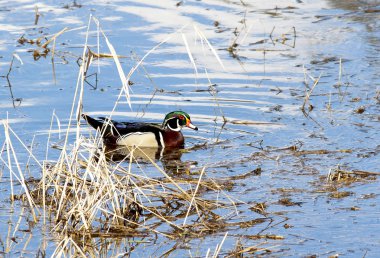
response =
{"points": [[346, 177], [84, 195]]}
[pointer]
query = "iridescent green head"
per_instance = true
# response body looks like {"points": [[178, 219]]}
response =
{"points": [[176, 120]]}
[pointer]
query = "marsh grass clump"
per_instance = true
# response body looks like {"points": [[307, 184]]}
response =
{"points": [[85, 192], [85, 195], [82, 192]]}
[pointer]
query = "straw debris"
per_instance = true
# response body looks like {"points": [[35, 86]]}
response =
{"points": [[84, 194], [346, 177]]}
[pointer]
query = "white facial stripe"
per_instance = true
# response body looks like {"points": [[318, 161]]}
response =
{"points": [[178, 126], [176, 130]]}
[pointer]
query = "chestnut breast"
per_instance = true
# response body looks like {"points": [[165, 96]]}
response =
{"points": [[173, 138]]}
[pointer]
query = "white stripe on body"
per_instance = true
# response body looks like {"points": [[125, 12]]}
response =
{"points": [[161, 140]]}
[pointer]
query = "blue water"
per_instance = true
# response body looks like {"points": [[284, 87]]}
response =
{"points": [[260, 93]]}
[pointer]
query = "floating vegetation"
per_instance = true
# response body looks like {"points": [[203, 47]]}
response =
{"points": [[340, 194], [42, 44], [360, 110], [288, 202], [341, 176]]}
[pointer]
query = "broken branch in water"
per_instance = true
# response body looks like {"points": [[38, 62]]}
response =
{"points": [[37, 15], [14, 100], [54, 37], [307, 96]]}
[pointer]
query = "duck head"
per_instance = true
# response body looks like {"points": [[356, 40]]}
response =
{"points": [[176, 120]]}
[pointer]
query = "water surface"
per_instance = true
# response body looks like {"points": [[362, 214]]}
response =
{"points": [[270, 53]]}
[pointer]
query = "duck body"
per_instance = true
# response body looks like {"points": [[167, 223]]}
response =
{"points": [[167, 135]]}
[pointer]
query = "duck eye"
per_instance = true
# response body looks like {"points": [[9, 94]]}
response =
{"points": [[181, 117]]}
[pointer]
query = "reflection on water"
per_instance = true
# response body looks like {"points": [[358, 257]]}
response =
{"points": [[355, 5], [125, 153], [170, 158], [366, 12]]}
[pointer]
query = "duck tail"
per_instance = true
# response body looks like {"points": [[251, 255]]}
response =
{"points": [[93, 122], [98, 124]]}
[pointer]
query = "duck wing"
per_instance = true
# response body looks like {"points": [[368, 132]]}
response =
{"points": [[120, 128], [131, 127]]}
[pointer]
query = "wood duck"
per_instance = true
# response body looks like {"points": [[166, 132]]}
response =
{"points": [[167, 135]]}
